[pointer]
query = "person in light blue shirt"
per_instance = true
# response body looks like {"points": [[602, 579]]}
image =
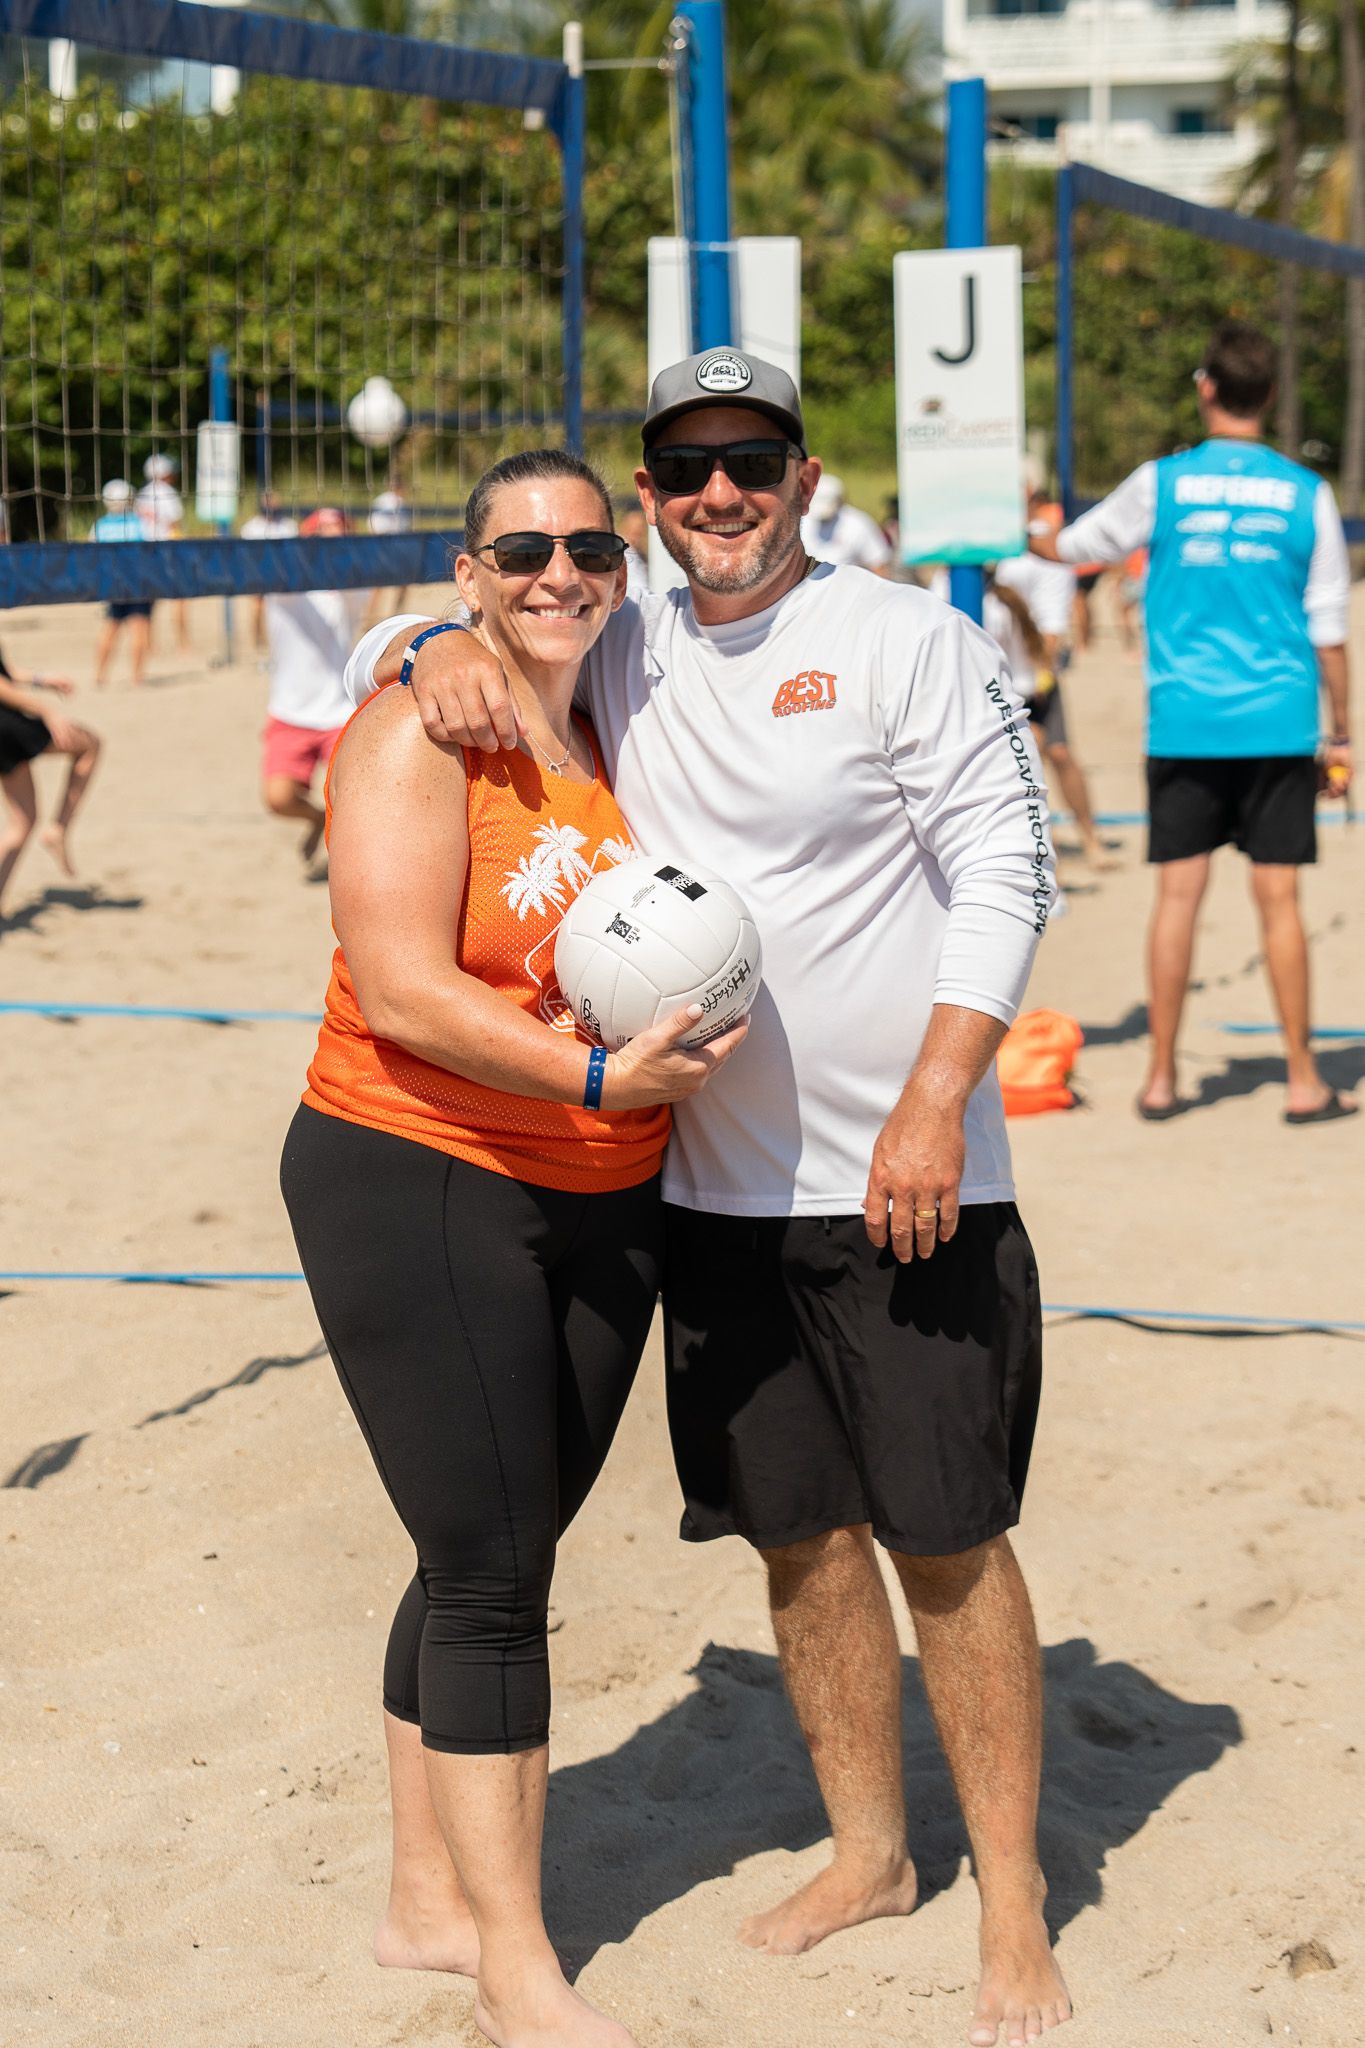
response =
{"points": [[119, 522], [1246, 635]]}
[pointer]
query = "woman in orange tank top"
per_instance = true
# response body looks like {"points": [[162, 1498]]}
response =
{"points": [[476, 1208]]}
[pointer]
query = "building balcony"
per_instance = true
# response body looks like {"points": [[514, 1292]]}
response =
{"points": [[1124, 41], [1199, 167]]}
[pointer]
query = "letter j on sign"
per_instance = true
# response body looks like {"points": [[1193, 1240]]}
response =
{"points": [[959, 404]]}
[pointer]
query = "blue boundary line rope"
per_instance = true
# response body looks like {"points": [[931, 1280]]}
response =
{"points": [[1086, 1311], [1273, 1031], [207, 1016]]}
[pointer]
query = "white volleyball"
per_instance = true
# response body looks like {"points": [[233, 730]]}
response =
{"points": [[377, 415], [645, 939]]}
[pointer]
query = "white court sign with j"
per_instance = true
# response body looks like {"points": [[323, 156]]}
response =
{"points": [[959, 404]]}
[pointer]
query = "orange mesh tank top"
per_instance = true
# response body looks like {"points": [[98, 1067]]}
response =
{"points": [[534, 840]]}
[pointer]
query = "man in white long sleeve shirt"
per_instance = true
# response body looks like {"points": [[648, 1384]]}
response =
{"points": [[853, 1324], [1246, 632]]}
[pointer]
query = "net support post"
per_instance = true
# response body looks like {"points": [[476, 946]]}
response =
{"points": [[713, 297], [965, 228], [1066, 211], [571, 129]]}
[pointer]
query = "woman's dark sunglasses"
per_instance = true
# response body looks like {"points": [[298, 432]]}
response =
{"points": [[526, 554], [680, 471]]}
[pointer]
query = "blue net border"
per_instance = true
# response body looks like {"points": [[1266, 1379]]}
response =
{"points": [[287, 48], [70, 572]]}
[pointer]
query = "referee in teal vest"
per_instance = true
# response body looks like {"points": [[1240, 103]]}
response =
{"points": [[1246, 633]]}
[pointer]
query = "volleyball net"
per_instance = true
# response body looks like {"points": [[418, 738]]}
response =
{"points": [[249, 257], [1114, 237]]}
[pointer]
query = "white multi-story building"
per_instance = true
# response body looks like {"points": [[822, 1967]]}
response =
{"points": [[1138, 87]]}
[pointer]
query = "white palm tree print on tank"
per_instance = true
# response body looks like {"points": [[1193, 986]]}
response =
{"points": [[542, 883]]}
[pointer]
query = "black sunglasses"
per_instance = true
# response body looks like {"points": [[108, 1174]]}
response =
{"points": [[681, 471], [526, 554]]}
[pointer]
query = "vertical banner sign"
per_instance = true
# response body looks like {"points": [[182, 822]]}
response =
{"points": [[959, 404], [217, 461]]}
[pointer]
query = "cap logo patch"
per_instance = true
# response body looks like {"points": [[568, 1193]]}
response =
{"points": [[724, 373]]}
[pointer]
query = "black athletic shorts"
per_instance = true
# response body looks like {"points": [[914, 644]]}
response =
{"points": [[22, 738], [1263, 806], [1048, 716], [814, 1383], [127, 611]]}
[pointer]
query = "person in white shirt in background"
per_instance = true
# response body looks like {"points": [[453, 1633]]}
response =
{"points": [[853, 1334], [310, 633], [633, 528], [389, 514], [161, 509], [269, 521], [1049, 591], [835, 531]]}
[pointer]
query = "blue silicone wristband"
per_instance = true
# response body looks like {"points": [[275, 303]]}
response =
{"points": [[597, 1067], [428, 633]]}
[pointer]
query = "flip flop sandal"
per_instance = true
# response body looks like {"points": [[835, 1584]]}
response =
{"points": [[1329, 1112], [1152, 1114]]}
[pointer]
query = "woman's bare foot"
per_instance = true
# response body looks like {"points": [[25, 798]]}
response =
{"points": [[53, 838], [410, 1939], [841, 1896], [1022, 1991], [535, 2008]]}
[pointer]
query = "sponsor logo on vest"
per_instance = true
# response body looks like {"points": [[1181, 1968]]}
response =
{"points": [[812, 690], [724, 373], [625, 931], [684, 884]]}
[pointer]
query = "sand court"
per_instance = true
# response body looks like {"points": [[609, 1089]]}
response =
{"points": [[201, 1564]]}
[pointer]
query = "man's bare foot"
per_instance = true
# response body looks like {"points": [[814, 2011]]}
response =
{"points": [[1098, 858], [413, 1940], [310, 842], [539, 2010], [1021, 1992], [838, 1897], [53, 837]]}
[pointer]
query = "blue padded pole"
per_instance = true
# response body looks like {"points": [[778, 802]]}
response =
{"points": [[220, 408], [571, 128], [1066, 211], [966, 229], [713, 322]]}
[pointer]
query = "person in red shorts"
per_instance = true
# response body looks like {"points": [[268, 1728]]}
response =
{"points": [[310, 633]]}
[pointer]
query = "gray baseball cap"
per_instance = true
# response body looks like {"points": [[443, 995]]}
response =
{"points": [[723, 376]]}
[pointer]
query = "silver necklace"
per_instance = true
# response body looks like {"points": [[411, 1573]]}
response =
{"points": [[555, 767]]}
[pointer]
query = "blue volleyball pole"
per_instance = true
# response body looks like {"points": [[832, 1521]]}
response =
{"points": [[966, 229], [707, 206]]}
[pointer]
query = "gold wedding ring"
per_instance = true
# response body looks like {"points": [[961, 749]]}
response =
{"points": [[925, 1214]]}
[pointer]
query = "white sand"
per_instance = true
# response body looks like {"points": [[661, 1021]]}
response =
{"points": [[200, 1577]]}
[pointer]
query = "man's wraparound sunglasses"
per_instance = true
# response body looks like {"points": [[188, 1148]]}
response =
{"points": [[681, 470], [526, 554]]}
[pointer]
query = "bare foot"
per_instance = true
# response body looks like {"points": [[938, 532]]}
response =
{"points": [[1021, 1987], [1098, 858], [542, 2011], [53, 837], [420, 1941], [838, 1897], [1158, 1092]]}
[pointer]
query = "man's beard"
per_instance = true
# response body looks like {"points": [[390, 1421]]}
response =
{"points": [[726, 580]]}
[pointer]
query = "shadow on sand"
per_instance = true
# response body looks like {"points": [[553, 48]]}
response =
{"points": [[724, 1776], [93, 898]]}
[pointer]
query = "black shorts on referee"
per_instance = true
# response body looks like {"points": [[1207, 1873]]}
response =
{"points": [[1262, 805], [814, 1383]]}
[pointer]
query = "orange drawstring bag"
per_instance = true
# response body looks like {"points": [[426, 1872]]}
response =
{"points": [[1035, 1060]]}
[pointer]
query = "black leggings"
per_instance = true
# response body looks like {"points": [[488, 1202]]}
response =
{"points": [[486, 1333]]}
